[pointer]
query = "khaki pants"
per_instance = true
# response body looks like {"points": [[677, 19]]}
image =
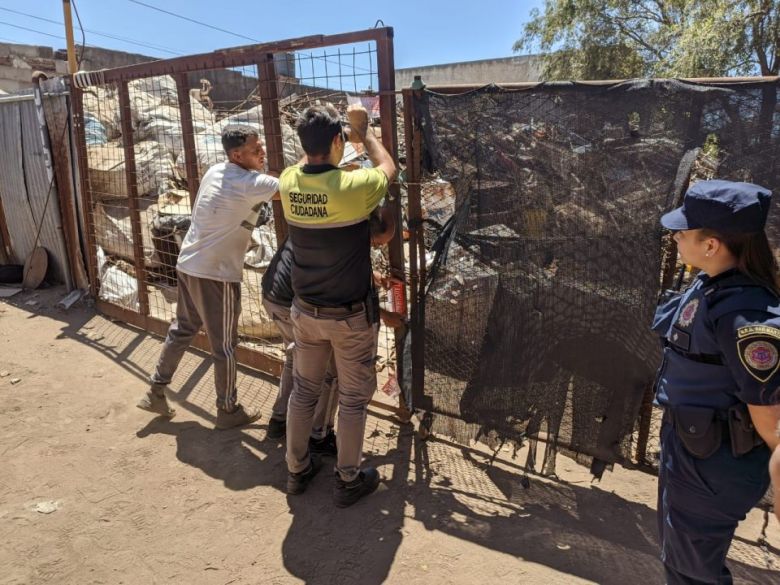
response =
{"points": [[351, 341], [325, 412]]}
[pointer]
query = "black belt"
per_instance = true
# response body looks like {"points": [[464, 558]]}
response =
{"points": [[712, 359], [276, 301], [668, 416], [317, 311]]}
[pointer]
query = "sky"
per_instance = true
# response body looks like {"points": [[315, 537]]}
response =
{"points": [[427, 32]]}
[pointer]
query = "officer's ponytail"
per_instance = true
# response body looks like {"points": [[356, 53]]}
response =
{"points": [[754, 256]]}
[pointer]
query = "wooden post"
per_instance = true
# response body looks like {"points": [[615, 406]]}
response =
{"points": [[77, 102], [72, 65], [57, 123], [6, 254], [389, 125]]}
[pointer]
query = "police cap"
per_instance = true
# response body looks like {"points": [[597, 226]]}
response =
{"points": [[724, 206]]}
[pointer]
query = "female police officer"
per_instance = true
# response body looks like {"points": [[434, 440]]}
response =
{"points": [[719, 379]]}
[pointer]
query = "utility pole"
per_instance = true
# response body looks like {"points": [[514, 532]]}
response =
{"points": [[72, 65]]}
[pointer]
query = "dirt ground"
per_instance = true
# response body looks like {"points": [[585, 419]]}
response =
{"points": [[93, 490]]}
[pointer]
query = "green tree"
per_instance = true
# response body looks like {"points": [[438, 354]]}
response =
{"points": [[616, 39]]}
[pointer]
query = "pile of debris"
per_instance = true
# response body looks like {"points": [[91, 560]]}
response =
{"points": [[161, 184], [163, 199]]}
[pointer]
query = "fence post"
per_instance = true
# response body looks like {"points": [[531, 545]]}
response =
{"points": [[389, 124], [63, 231], [58, 127], [272, 124], [77, 102], [188, 136], [132, 197], [645, 418], [416, 247]]}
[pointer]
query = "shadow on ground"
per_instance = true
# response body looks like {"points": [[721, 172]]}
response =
{"points": [[582, 531]]}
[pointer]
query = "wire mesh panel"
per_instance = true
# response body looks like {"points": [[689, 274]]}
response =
{"points": [[336, 76], [339, 76], [110, 213], [541, 211], [159, 131]]}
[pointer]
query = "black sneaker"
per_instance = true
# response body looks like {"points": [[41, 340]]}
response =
{"points": [[297, 482], [325, 446], [277, 428], [347, 493], [238, 417]]}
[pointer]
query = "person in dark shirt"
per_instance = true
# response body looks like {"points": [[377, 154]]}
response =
{"points": [[720, 378], [334, 311], [277, 300]]}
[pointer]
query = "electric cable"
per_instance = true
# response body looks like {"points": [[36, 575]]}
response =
{"points": [[98, 33]]}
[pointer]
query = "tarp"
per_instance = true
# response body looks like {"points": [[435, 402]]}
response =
{"points": [[545, 208]]}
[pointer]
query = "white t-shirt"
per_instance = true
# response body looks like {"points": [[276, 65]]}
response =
{"points": [[225, 213]]}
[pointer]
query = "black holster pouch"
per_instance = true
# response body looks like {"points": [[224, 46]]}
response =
{"points": [[743, 435], [372, 306], [700, 429]]}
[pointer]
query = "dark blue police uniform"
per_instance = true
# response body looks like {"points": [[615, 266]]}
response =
{"points": [[721, 352]]}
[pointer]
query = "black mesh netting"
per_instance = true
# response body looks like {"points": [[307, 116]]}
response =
{"points": [[544, 206]]}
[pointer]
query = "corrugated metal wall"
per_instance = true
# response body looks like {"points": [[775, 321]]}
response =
{"points": [[25, 188]]}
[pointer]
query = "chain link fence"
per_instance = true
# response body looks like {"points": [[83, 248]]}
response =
{"points": [[542, 257]]}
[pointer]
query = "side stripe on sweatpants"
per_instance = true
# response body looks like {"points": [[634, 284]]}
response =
{"points": [[228, 317]]}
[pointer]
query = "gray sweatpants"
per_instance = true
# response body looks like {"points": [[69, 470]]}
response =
{"points": [[325, 412], [216, 306], [351, 341]]}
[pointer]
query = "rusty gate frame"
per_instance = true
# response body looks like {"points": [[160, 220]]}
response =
{"points": [[259, 55]]}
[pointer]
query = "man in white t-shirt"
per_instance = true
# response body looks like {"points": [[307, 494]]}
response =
{"points": [[210, 270]]}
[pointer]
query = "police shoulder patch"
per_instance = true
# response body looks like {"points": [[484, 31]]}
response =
{"points": [[688, 312], [759, 350]]}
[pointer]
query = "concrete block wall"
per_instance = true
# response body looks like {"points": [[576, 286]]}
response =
{"points": [[504, 70], [17, 63]]}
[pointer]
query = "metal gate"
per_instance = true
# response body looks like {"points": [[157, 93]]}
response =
{"points": [[146, 133]]}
